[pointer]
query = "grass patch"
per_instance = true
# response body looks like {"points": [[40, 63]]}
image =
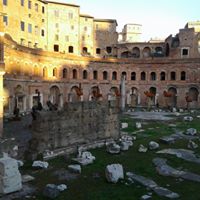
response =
{"points": [[92, 185]]}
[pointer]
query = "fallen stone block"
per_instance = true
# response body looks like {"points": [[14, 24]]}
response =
{"points": [[114, 172]]}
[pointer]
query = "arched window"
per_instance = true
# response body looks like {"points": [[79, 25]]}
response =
{"points": [[64, 74], [133, 76], [85, 74], [109, 49], [84, 50], [55, 72], [136, 52], [71, 49], [143, 76], [183, 76], [162, 76], [153, 76], [173, 76], [45, 74], [98, 51], [105, 75], [114, 76], [124, 75], [36, 71], [74, 74], [95, 75]]}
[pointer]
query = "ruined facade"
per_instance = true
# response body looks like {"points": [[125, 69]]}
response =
{"points": [[70, 57], [77, 124]]}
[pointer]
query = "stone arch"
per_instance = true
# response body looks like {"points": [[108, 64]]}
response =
{"points": [[124, 74], [183, 76], [146, 52], [64, 73], [19, 98], [74, 74], [55, 95], [133, 76], [136, 52], [153, 76], [45, 72], [133, 97], [193, 93], [85, 50], [85, 74], [36, 70], [95, 93], [75, 94], [173, 98], [162, 76], [114, 93], [143, 76], [153, 90], [55, 72], [105, 75], [126, 54], [114, 75]]}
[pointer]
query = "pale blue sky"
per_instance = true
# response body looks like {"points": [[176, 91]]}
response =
{"points": [[159, 18]]}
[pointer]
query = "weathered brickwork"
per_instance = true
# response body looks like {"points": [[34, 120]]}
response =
{"points": [[78, 58], [76, 124]]}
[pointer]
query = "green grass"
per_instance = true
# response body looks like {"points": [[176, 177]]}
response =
{"points": [[86, 187]]}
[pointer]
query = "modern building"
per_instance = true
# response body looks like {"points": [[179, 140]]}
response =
{"points": [[52, 49], [131, 33]]}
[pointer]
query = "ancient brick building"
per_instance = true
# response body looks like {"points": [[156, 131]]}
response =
{"points": [[67, 56]]}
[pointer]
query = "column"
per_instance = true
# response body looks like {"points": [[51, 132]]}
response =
{"points": [[123, 93], [1, 102]]}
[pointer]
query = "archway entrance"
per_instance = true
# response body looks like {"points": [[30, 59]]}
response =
{"points": [[20, 98], [173, 98], [133, 97], [95, 93], [55, 95], [192, 97]]}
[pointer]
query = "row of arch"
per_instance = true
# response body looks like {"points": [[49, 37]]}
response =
{"points": [[134, 96], [144, 53], [105, 75]]}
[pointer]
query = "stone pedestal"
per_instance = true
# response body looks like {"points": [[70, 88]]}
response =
{"points": [[10, 177]]}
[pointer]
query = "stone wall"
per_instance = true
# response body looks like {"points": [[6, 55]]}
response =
{"points": [[76, 124]]}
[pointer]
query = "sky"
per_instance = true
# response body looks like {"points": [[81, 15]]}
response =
{"points": [[159, 18]]}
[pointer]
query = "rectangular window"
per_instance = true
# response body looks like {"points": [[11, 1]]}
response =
{"points": [[29, 4], [42, 32], [72, 27], [42, 20], [184, 52], [30, 28], [70, 15], [67, 38], [22, 26], [5, 20], [56, 37], [85, 28], [36, 7], [5, 2], [43, 9], [36, 30], [57, 25], [22, 2], [56, 13]]}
